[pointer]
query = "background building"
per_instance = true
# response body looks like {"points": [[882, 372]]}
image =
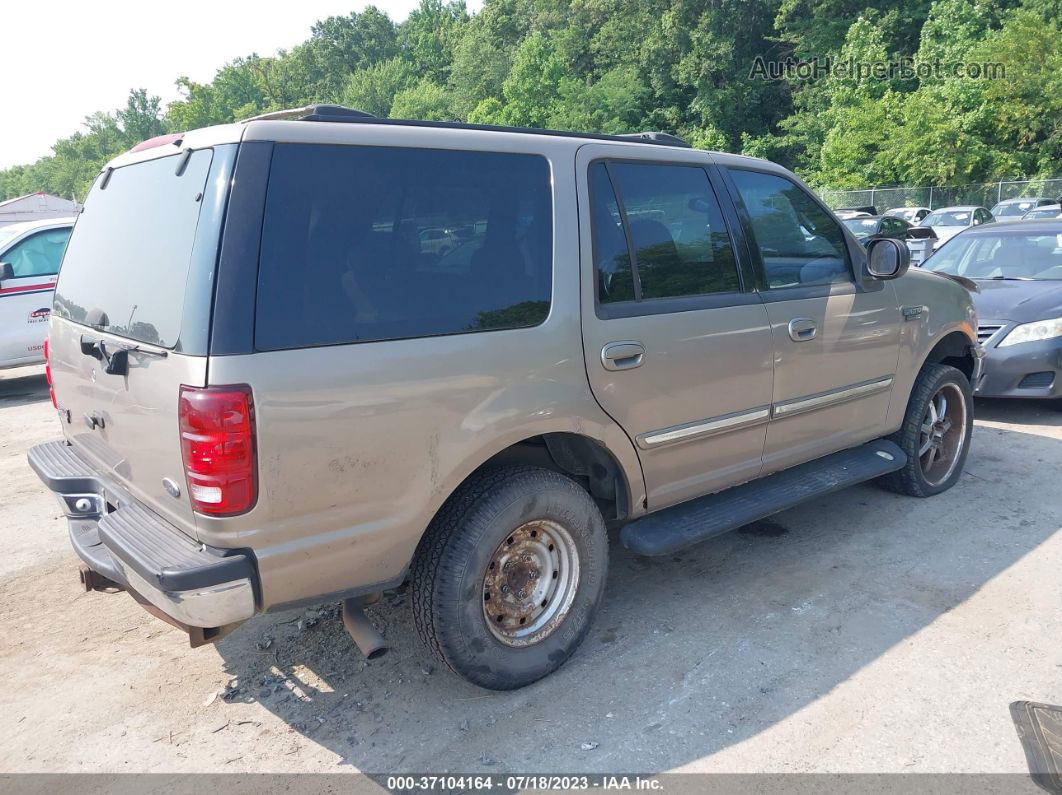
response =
{"points": [[36, 207]]}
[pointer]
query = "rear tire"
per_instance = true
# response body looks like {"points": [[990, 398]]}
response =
{"points": [[509, 575], [935, 434]]}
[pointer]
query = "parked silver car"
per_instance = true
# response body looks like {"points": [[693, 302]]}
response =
{"points": [[1016, 208], [271, 395]]}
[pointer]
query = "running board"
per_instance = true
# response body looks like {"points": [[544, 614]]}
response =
{"points": [[689, 523]]}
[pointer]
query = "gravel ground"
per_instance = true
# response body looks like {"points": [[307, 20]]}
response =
{"points": [[861, 632]]}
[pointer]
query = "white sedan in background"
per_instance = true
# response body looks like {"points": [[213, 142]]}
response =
{"points": [[30, 253], [911, 215], [949, 221]]}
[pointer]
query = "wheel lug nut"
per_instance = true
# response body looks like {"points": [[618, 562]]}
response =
{"points": [[533, 574], [505, 589], [521, 595]]}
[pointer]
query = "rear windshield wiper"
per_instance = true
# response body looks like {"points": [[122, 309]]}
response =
{"points": [[117, 359]]}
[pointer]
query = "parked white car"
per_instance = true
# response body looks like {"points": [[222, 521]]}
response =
{"points": [[30, 254], [911, 215], [949, 221]]}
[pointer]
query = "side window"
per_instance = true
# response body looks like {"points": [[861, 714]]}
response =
{"points": [[799, 242], [372, 243], [893, 227], [673, 242], [612, 260], [38, 255]]}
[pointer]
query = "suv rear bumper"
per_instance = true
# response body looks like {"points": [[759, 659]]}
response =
{"points": [[116, 536]]}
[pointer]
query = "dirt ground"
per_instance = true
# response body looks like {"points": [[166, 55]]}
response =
{"points": [[862, 632]]}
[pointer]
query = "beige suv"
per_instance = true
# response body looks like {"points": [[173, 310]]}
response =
{"points": [[274, 392]]}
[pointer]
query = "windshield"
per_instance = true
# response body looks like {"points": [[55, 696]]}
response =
{"points": [[949, 218], [1012, 209], [128, 260], [1000, 256], [906, 213], [862, 227]]}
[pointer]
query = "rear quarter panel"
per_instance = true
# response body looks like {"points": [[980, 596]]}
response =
{"points": [[359, 445]]}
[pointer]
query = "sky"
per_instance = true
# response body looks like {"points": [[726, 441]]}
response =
{"points": [[63, 59]]}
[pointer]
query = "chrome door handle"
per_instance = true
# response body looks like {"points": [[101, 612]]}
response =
{"points": [[622, 355], [802, 329]]}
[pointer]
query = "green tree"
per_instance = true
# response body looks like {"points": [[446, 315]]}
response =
{"points": [[373, 88], [428, 37], [426, 100]]}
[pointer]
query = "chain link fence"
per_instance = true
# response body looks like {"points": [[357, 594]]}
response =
{"points": [[980, 194]]}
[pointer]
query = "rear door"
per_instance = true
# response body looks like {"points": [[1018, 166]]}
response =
{"points": [[26, 297], [677, 350], [836, 341], [138, 274]]}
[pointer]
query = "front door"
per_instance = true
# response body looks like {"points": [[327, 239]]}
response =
{"points": [[677, 345], [26, 295], [836, 340]]}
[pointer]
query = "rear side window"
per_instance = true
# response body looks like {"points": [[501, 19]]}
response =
{"points": [[38, 255], [375, 243], [671, 223], [127, 262], [799, 242]]}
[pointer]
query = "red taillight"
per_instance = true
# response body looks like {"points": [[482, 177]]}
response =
{"points": [[218, 446], [48, 374]]}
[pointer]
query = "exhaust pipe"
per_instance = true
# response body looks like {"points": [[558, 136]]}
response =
{"points": [[365, 636]]}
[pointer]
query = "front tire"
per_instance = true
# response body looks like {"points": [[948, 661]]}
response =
{"points": [[509, 575], [935, 434]]}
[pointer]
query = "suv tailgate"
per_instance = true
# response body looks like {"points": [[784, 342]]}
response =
{"points": [[132, 278]]}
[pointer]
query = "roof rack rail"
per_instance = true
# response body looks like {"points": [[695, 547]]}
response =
{"points": [[314, 113], [667, 139], [338, 113]]}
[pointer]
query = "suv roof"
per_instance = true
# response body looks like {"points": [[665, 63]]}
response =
{"points": [[277, 126]]}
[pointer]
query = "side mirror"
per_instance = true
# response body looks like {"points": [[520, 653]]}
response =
{"points": [[887, 258], [7, 271]]}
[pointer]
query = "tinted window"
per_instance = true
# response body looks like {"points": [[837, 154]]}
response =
{"points": [[681, 246], [798, 240], [372, 243], [127, 262], [38, 255], [893, 227], [612, 260]]}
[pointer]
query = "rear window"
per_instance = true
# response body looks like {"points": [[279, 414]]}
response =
{"points": [[375, 243], [127, 261]]}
